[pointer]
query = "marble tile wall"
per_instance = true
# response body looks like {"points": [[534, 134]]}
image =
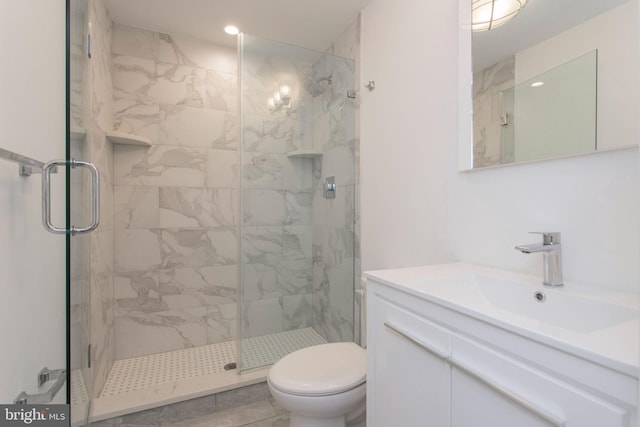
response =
{"points": [[492, 144], [99, 244], [176, 217], [176, 203]]}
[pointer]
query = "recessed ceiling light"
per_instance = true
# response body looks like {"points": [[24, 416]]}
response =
{"points": [[231, 29], [537, 84]]}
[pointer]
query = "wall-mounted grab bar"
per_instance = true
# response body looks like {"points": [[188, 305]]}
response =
{"points": [[46, 196], [45, 375], [28, 165]]}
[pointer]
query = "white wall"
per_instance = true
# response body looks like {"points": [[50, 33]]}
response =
{"points": [[32, 119], [407, 123], [418, 209]]}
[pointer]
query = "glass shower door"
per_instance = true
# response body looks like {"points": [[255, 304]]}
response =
{"points": [[81, 210], [33, 363]]}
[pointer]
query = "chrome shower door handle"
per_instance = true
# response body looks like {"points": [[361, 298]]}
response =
{"points": [[46, 196]]}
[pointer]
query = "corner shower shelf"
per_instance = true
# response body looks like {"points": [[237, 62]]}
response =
{"points": [[302, 154], [128, 139]]}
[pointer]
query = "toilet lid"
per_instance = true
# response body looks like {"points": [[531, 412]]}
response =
{"points": [[320, 370]]}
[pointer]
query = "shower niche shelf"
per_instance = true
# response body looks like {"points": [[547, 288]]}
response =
{"points": [[78, 133], [304, 154], [128, 139]]}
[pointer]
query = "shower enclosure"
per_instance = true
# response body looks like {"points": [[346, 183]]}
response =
{"points": [[228, 207]]}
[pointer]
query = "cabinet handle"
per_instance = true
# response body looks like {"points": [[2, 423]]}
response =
{"points": [[416, 341], [530, 406]]}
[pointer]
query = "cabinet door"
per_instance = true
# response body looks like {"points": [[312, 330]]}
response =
{"points": [[410, 384], [490, 389]]}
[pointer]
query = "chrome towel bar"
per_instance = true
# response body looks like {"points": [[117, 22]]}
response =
{"points": [[28, 165]]}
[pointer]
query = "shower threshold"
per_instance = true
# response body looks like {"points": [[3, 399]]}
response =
{"points": [[147, 382]]}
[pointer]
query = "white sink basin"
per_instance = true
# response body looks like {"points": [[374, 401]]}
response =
{"points": [[559, 307], [508, 295], [599, 321]]}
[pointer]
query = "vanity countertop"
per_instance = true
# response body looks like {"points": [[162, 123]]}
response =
{"points": [[599, 325]]}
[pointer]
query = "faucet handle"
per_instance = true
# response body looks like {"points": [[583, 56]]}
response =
{"points": [[548, 237]]}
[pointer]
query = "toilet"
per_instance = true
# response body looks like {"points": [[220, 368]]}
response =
{"points": [[322, 385]]}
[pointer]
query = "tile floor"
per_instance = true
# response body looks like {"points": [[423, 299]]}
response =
{"points": [[250, 406], [263, 413]]}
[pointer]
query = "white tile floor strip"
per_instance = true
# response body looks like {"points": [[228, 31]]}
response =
{"points": [[145, 372], [79, 394]]}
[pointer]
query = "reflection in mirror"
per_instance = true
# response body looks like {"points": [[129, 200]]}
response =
{"points": [[549, 115], [579, 39]]}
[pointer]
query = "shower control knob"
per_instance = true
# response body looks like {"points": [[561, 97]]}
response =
{"points": [[330, 187]]}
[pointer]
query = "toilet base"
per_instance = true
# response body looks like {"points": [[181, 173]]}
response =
{"points": [[347, 409]]}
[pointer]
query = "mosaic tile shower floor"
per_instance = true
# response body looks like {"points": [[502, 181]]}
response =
{"points": [[143, 372]]}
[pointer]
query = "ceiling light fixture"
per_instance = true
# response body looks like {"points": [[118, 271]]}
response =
{"points": [[231, 30], [489, 14]]}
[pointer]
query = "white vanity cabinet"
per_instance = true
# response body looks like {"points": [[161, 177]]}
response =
{"points": [[432, 366], [490, 389], [411, 385]]}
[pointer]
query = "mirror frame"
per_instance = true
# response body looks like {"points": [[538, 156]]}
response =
{"points": [[465, 87]]}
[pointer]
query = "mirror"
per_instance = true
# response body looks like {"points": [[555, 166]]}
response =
{"points": [[585, 53]]}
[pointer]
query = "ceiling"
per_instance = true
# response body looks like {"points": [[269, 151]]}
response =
{"points": [[311, 24], [539, 20], [316, 24]]}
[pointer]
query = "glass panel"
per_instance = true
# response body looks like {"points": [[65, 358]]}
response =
{"points": [[297, 243], [79, 273], [32, 266], [550, 115], [555, 112]]}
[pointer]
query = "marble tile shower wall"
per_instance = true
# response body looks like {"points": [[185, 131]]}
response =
{"points": [[176, 203], [491, 145], [98, 151]]}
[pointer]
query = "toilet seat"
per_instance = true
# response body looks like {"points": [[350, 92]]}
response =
{"points": [[320, 370]]}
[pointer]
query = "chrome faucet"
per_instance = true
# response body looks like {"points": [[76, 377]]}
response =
{"points": [[551, 256]]}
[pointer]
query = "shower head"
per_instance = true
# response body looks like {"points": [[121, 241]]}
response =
{"points": [[314, 87]]}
